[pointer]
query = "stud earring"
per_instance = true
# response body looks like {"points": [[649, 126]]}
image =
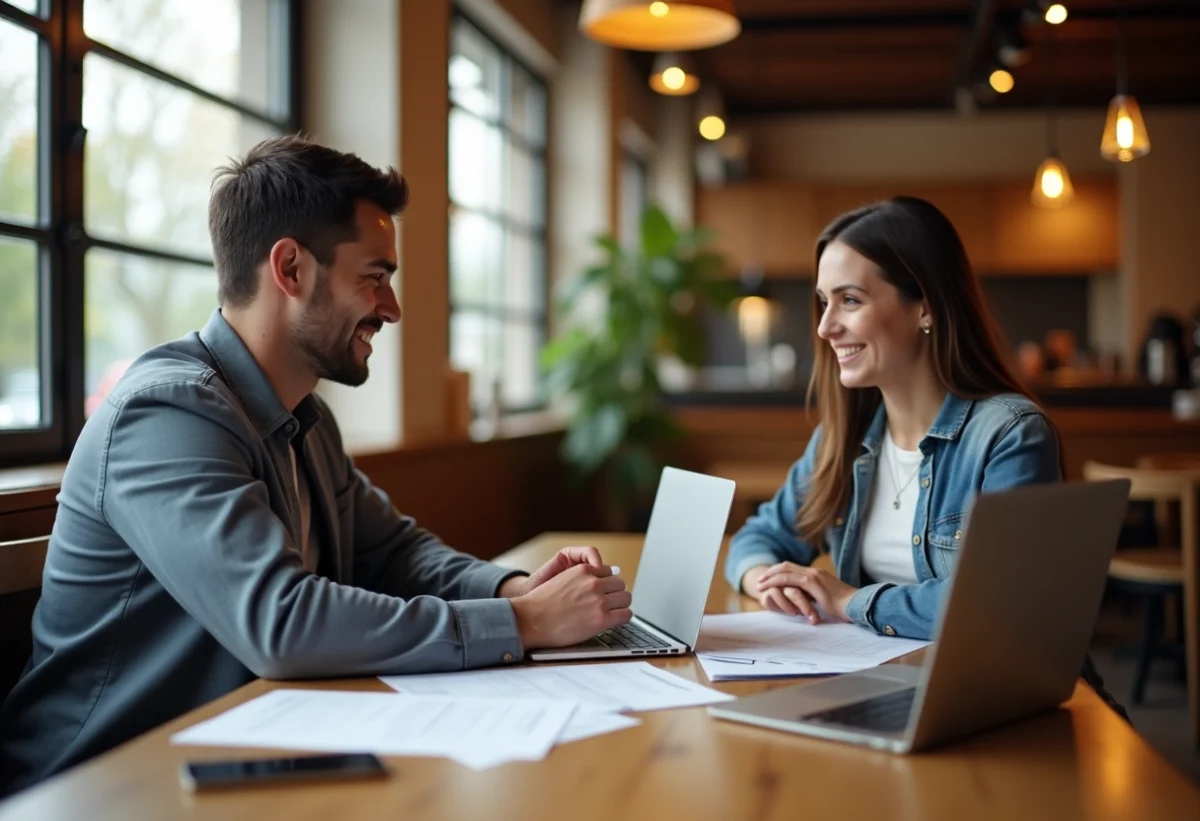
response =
{"points": [[927, 328]]}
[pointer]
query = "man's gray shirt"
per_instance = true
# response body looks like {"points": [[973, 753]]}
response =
{"points": [[173, 574]]}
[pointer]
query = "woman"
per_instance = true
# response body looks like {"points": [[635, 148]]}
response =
{"points": [[918, 414]]}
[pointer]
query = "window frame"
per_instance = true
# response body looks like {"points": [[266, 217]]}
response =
{"points": [[60, 231], [539, 318]]}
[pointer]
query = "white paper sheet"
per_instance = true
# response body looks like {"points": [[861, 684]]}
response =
{"points": [[479, 729], [617, 687], [765, 645]]}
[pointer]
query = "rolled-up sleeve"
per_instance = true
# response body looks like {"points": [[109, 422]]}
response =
{"points": [[769, 536]]}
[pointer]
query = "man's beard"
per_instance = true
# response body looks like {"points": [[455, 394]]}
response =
{"points": [[329, 350]]}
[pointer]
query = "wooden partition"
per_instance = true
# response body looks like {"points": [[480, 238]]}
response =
{"points": [[779, 435]]}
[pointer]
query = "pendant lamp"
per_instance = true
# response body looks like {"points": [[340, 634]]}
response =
{"points": [[659, 26]]}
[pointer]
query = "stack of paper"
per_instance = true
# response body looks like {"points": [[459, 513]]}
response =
{"points": [[480, 718], [601, 691], [468, 729], [769, 645]]}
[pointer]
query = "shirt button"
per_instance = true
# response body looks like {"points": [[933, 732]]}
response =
{"points": [[889, 630], [916, 539], [957, 534], [924, 483], [508, 656]]}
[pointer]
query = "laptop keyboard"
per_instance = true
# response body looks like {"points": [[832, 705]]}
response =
{"points": [[885, 714], [631, 637]]}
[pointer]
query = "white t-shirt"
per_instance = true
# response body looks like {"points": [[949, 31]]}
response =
{"points": [[887, 549]]}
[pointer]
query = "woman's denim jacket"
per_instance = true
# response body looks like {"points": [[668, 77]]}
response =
{"points": [[974, 446]]}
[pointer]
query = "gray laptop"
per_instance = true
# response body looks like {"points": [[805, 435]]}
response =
{"points": [[1011, 641], [679, 555]]}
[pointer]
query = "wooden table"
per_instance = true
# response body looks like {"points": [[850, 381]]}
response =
{"points": [[1079, 763]]}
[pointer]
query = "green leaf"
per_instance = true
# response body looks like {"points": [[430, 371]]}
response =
{"points": [[659, 236], [594, 437]]}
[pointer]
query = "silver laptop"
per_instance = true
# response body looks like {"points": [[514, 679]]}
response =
{"points": [[679, 555], [1012, 638]]}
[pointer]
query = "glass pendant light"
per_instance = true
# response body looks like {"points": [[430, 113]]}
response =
{"points": [[674, 74], [1125, 138], [1052, 183]]}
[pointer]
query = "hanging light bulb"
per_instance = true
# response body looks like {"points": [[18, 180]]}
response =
{"points": [[674, 75], [711, 114], [1001, 81], [1125, 138], [1051, 184], [659, 26], [1056, 14]]}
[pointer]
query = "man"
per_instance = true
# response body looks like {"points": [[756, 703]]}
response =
{"points": [[211, 528]]}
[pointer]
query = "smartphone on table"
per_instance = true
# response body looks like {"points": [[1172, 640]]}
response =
{"points": [[197, 776]]}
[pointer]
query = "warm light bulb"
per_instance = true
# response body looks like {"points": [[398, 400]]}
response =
{"points": [[659, 9], [1125, 138], [1056, 14], [674, 78], [712, 127], [1001, 81], [1052, 183], [1124, 130]]}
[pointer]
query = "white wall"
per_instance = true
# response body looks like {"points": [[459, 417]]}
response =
{"points": [[352, 103], [581, 143]]}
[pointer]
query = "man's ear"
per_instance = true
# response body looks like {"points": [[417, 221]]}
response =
{"points": [[287, 262]]}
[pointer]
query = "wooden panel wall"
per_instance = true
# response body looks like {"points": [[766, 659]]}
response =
{"points": [[484, 497], [779, 435]]}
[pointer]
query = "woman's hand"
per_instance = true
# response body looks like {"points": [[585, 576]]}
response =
{"points": [[794, 589]]}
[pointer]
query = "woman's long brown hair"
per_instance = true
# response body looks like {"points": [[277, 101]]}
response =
{"points": [[918, 251]]}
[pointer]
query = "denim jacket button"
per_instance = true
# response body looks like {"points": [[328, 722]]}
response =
{"points": [[839, 521], [957, 535], [924, 483], [891, 631], [916, 539]]}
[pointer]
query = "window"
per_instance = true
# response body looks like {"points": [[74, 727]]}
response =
{"points": [[633, 199], [113, 116], [497, 165]]}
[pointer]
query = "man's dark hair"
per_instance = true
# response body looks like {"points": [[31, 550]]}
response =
{"points": [[289, 187]]}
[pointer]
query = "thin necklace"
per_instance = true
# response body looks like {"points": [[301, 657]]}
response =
{"points": [[894, 468]]}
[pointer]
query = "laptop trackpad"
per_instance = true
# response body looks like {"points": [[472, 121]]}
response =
{"points": [[859, 686]]}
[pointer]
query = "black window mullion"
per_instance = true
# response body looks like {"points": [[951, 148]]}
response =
{"points": [[146, 251], [70, 136], [25, 19], [120, 57]]}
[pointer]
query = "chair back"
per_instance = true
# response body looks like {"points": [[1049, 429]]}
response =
{"points": [[26, 518]]}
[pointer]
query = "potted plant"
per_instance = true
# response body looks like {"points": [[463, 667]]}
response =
{"points": [[605, 362]]}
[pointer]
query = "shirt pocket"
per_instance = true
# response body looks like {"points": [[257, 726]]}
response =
{"points": [[945, 538]]}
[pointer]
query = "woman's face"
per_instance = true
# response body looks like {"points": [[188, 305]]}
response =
{"points": [[875, 333]]}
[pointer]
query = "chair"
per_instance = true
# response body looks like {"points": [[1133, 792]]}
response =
{"points": [[21, 564], [1158, 571]]}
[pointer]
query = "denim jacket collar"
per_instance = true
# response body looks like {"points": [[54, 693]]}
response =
{"points": [[948, 424], [242, 373]]}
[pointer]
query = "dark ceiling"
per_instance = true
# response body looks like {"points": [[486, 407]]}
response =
{"points": [[823, 55]]}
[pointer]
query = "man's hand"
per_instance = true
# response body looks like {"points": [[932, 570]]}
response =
{"points": [[571, 606], [794, 589], [564, 559]]}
